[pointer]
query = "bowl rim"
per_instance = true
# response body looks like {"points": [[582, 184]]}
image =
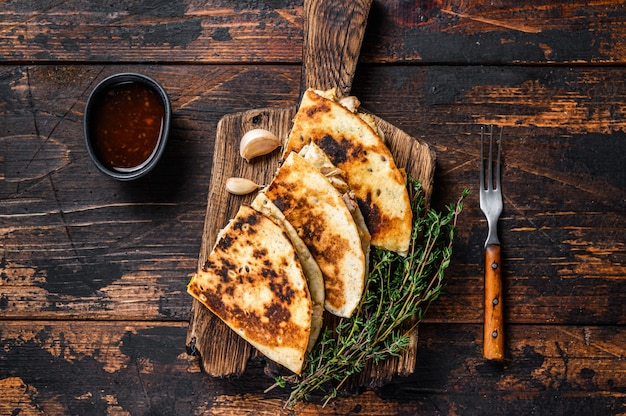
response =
{"points": [[146, 166]]}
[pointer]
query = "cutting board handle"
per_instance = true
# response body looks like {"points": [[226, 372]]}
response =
{"points": [[333, 34]]}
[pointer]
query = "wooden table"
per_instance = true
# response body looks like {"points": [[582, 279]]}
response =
{"points": [[93, 308]]}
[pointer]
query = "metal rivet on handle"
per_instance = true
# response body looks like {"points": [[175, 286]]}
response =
{"points": [[494, 334]]}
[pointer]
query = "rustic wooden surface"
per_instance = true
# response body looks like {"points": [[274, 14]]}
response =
{"points": [[93, 309], [331, 49]]}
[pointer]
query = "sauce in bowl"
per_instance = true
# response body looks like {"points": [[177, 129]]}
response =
{"points": [[126, 123]]}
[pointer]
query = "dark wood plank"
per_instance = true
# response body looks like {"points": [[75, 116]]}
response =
{"points": [[144, 31], [506, 31], [570, 31], [548, 370], [61, 367], [93, 309], [564, 181], [76, 244]]}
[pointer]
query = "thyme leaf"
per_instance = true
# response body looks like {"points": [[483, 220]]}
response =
{"points": [[399, 291]]}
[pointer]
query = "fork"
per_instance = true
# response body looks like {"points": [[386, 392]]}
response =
{"points": [[491, 206]]}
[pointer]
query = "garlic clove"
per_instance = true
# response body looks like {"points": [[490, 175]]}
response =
{"points": [[241, 186], [257, 142]]}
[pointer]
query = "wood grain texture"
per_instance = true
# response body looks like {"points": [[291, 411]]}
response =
{"points": [[77, 244], [214, 32], [89, 247], [333, 34], [142, 367], [93, 311], [182, 31]]}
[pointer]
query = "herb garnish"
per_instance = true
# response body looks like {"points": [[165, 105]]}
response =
{"points": [[398, 289]]}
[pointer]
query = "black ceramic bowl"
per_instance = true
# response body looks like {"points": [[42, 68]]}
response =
{"points": [[126, 124]]}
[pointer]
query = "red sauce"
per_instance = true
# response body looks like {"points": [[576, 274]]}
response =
{"points": [[127, 122]]}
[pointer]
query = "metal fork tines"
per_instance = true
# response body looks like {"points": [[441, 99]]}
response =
{"points": [[491, 194], [491, 206]]}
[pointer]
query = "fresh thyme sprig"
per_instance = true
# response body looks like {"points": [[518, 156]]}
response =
{"points": [[398, 291]]}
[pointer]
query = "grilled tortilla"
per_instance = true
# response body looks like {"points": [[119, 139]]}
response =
{"points": [[320, 216], [355, 147], [311, 269], [254, 282], [316, 156]]}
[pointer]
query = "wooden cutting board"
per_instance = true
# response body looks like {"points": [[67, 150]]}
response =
{"points": [[333, 36]]}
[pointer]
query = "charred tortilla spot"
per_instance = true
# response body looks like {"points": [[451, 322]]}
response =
{"points": [[311, 228], [337, 150], [342, 246], [237, 311], [283, 291], [281, 202], [246, 223], [225, 242], [260, 253], [252, 219], [237, 225], [215, 300], [268, 273], [372, 214], [280, 192], [319, 108], [223, 272], [341, 151], [356, 151], [277, 313], [208, 265]]}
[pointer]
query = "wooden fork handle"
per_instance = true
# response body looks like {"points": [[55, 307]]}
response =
{"points": [[493, 337]]}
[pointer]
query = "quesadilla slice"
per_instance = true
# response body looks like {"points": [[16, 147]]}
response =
{"points": [[253, 281], [321, 218], [355, 147], [311, 269], [316, 156]]}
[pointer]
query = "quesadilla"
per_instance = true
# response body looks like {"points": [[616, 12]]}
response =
{"points": [[253, 281], [322, 219], [316, 156], [355, 147], [311, 269]]}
